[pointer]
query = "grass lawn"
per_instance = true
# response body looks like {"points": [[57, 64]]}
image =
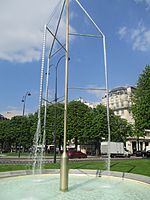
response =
{"points": [[141, 166], [24, 154]]}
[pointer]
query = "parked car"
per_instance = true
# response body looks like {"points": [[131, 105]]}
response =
{"points": [[148, 153], [139, 153], [76, 154]]}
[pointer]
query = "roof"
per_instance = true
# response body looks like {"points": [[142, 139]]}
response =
{"points": [[120, 89]]}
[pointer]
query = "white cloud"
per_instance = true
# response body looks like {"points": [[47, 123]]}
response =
{"points": [[147, 2], [122, 32], [22, 23], [139, 36], [96, 93]]}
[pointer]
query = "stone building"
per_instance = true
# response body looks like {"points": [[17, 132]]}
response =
{"points": [[120, 102]]}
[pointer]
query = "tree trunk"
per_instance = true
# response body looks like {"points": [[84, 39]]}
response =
{"points": [[97, 147]]}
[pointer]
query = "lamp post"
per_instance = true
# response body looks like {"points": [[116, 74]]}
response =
{"points": [[23, 112], [24, 101]]}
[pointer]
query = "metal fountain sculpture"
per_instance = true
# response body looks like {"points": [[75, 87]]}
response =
{"points": [[39, 139]]}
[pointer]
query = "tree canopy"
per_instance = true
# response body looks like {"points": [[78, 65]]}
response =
{"points": [[84, 125], [141, 102]]}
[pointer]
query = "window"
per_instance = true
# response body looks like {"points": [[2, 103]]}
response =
{"points": [[122, 104], [122, 112], [117, 105], [146, 143]]}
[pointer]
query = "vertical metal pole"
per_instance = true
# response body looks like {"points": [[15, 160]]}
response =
{"points": [[55, 116], [23, 112], [23, 106], [64, 158], [45, 114], [55, 113], [106, 77], [107, 101], [23, 100]]}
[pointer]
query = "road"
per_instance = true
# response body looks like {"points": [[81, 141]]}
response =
{"points": [[27, 160]]}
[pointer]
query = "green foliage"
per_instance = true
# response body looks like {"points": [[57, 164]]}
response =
{"points": [[84, 125], [141, 102], [50, 122], [100, 122], [76, 116], [5, 136], [16, 132], [120, 129]]}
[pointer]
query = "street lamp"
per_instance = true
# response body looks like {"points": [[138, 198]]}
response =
{"points": [[24, 101], [56, 74], [23, 112]]}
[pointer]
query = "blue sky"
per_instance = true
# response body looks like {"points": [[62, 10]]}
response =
{"points": [[125, 24]]}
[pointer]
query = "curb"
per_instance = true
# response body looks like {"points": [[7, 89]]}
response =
{"points": [[97, 173]]}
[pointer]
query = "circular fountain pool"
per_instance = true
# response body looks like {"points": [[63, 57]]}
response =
{"points": [[81, 187]]}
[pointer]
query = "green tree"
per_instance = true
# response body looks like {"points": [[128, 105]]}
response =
{"points": [[120, 129], [6, 138], [76, 116], [50, 124], [84, 125], [141, 102], [20, 129], [98, 126]]}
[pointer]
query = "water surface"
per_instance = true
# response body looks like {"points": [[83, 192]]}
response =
{"points": [[46, 187]]}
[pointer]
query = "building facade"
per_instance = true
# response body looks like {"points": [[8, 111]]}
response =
{"points": [[120, 102]]}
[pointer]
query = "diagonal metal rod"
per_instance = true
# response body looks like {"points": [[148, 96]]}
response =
{"points": [[57, 50], [47, 81], [54, 11], [87, 14], [56, 31], [85, 35], [56, 38], [48, 68], [51, 102]]}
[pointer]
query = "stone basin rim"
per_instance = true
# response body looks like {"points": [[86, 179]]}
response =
{"points": [[136, 177]]}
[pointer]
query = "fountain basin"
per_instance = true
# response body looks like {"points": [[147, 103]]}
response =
{"points": [[82, 185]]}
